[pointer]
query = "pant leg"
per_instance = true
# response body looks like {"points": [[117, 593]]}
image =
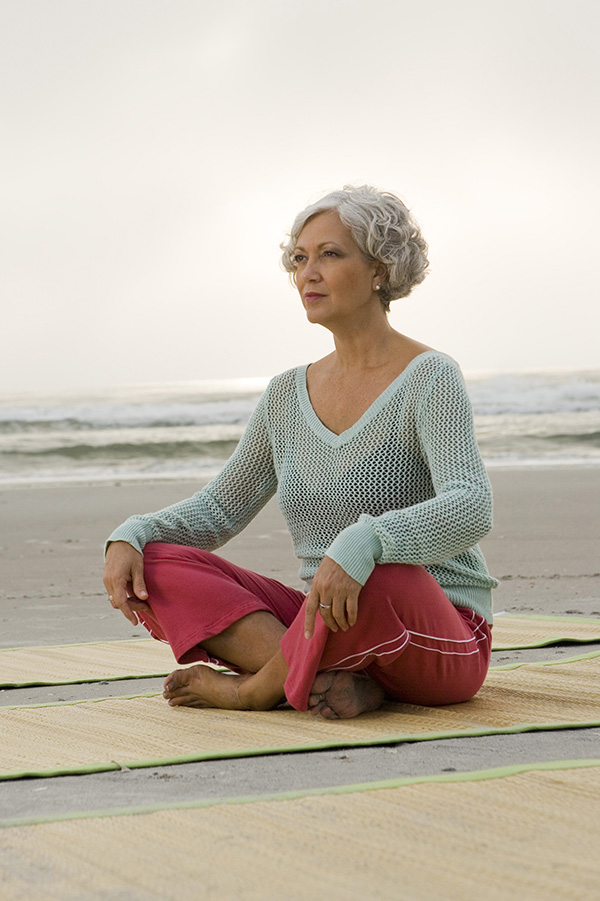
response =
{"points": [[408, 636], [195, 595]]}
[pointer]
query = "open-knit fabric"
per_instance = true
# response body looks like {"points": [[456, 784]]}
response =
{"points": [[404, 484]]}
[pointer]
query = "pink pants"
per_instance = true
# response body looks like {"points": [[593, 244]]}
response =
{"points": [[408, 636]]}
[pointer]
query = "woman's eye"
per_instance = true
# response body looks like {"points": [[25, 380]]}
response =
{"points": [[329, 253], [298, 258]]}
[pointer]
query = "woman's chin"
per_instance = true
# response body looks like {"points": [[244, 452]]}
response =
{"points": [[316, 314]]}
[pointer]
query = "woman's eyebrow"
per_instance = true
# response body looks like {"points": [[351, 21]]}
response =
{"points": [[319, 246]]}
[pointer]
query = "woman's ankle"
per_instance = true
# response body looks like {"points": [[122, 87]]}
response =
{"points": [[254, 694], [265, 689]]}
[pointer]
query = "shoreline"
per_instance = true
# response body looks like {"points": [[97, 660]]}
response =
{"points": [[203, 478]]}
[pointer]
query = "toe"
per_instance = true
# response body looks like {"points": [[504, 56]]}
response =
{"points": [[322, 683], [316, 709], [328, 713], [172, 681], [178, 684]]}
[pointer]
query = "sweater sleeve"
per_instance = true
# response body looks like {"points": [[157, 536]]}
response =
{"points": [[458, 514], [224, 507]]}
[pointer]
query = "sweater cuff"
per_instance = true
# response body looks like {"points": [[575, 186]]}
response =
{"points": [[134, 532], [356, 549]]}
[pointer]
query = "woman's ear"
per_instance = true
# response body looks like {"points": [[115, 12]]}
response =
{"points": [[379, 277]]}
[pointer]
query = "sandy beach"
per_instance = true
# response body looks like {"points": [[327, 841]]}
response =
{"points": [[544, 548]]}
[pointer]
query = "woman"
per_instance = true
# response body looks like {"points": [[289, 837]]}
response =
{"points": [[372, 453]]}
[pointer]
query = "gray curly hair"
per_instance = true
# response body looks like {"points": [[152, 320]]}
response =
{"points": [[383, 229]]}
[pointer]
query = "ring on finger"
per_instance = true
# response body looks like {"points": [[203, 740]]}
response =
{"points": [[110, 599], [326, 606]]}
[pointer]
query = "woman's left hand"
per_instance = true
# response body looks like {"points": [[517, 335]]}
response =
{"points": [[333, 594]]}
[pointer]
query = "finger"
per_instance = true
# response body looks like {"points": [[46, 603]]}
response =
{"points": [[130, 615], [138, 584], [338, 613], [326, 613], [352, 610], [324, 607], [126, 611], [133, 606], [118, 598], [310, 614], [138, 606], [116, 588]]}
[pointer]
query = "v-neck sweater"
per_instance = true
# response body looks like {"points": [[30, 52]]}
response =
{"points": [[404, 484]]}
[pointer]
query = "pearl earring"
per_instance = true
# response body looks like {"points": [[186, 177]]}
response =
{"points": [[378, 287]]}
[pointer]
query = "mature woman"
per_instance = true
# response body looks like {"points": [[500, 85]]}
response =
{"points": [[372, 453]]}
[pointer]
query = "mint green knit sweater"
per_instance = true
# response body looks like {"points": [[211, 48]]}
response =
{"points": [[405, 484]]}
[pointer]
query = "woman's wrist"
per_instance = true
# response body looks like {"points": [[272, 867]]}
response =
{"points": [[356, 549]]}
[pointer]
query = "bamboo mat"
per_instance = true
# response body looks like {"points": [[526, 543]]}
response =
{"points": [[146, 658], [90, 662], [513, 633], [526, 832], [108, 734]]}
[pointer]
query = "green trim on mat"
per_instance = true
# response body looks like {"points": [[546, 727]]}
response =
{"points": [[439, 778], [17, 686], [558, 661], [571, 618], [552, 640], [131, 677], [329, 744], [146, 694], [80, 644], [545, 643]]}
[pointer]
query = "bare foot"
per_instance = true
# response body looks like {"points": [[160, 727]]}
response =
{"points": [[201, 686], [342, 695]]}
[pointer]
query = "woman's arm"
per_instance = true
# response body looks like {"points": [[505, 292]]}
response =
{"points": [[207, 520], [212, 516]]}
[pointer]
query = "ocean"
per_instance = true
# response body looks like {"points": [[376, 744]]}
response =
{"points": [[187, 430]]}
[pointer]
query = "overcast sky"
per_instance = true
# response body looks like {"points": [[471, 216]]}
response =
{"points": [[154, 153]]}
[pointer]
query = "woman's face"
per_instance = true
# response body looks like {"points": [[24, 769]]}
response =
{"points": [[335, 281]]}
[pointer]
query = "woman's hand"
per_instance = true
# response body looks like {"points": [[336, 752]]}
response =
{"points": [[124, 579], [333, 594]]}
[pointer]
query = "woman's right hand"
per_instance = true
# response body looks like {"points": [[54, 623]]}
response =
{"points": [[124, 579]]}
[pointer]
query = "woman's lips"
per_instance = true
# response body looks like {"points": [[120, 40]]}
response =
{"points": [[312, 295]]}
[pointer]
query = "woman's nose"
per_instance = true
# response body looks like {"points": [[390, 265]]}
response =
{"points": [[311, 269]]}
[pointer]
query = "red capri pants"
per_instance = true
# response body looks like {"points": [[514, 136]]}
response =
{"points": [[408, 636]]}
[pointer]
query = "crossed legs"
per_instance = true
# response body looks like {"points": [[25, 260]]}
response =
{"points": [[409, 643], [253, 644], [206, 609]]}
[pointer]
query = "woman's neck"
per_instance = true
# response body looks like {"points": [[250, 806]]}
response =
{"points": [[365, 348]]}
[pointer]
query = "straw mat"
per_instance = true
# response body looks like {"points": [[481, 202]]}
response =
{"points": [[90, 662], [513, 633], [92, 736], [528, 835], [146, 658]]}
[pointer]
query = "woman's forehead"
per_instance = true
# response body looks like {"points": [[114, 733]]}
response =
{"points": [[323, 228]]}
